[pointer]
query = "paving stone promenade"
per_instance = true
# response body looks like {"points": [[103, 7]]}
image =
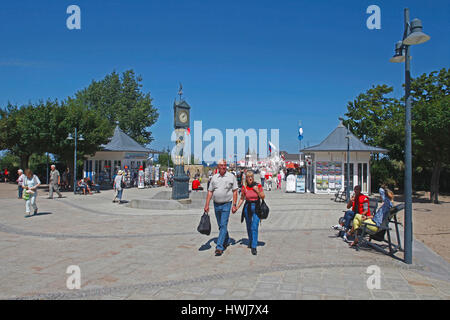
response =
{"points": [[127, 253]]}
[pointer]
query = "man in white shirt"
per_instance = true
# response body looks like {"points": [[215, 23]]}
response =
{"points": [[262, 176], [55, 181], [222, 188]]}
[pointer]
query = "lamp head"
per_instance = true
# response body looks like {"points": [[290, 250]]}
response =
{"points": [[416, 36], [69, 137], [398, 55]]}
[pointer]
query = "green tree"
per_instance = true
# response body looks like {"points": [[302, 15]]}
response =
{"points": [[90, 123], [25, 130], [380, 121], [121, 99], [369, 113], [431, 124], [162, 159]]}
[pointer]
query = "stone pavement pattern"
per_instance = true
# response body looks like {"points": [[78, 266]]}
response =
{"points": [[126, 253]]}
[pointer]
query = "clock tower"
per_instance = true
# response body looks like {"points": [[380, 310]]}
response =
{"points": [[181, 121], [181, 114]]}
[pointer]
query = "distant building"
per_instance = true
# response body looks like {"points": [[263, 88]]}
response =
{"points": [[119, 152], [291, 157], [329, 160]]}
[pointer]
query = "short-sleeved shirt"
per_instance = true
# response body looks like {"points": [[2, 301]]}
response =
{"points": [[21, 179], [250, 194], [30, 183], [223, 187], [54, 176], [118, 182]]}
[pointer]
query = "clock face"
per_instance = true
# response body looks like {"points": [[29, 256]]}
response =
{"points": [[183, 116]]}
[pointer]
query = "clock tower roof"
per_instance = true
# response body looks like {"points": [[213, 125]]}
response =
{"points": [[182, 103]]}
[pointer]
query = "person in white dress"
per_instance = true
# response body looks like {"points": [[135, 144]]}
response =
{"points": [[30, 184]]}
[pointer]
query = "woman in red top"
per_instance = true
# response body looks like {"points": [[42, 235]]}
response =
{"points": [[196, 185], [252, 193]]}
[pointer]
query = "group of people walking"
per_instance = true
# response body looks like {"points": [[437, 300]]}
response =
{"points": [[168, 178], [223, 190], [268, 179], [28, 184]]}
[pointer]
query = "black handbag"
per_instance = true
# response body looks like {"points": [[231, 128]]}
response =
{"points": [[263, 210], [204, 226]]}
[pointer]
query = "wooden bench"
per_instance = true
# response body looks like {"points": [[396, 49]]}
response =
{"points": [[340, 196], [365, 235], [373, 205]]}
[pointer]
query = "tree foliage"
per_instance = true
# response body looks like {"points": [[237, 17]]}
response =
{"points": [[431, 123], [44, 126], [120, 98], [380, 121]]}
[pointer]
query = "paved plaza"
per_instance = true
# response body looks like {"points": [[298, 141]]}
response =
{"points": [[127, 253]]}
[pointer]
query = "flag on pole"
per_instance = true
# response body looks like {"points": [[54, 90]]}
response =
{"points": [[300, 133], [271, 145]]}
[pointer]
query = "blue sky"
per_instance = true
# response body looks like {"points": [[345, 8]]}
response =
{"points": [[243, 64]]}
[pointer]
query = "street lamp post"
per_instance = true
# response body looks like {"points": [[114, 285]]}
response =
{"points": [[168, 158], [80, 138], [412, 35], [47, 166], [347, 185]]}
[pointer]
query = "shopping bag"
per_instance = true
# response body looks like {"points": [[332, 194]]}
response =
{"points": [[204, 226], [263, 210], [25, 195]]}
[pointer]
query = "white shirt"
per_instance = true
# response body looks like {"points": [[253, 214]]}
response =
{"points": [[21, 179], [31, 182], [223, 187], [117, 182]]}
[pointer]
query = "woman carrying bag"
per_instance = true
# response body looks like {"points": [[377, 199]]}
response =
{"points": [[30, 184], [252, 193]]}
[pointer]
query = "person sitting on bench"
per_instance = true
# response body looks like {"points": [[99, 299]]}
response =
{"points": [[84, 186], [92, 185], [359, 204], [373, 224], [196, 185]]}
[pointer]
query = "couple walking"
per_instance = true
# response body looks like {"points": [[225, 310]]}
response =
{"points": [[223, 189]]}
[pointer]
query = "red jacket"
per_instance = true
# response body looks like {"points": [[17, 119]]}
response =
{"points": [[195, 184], [363, 201]]}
